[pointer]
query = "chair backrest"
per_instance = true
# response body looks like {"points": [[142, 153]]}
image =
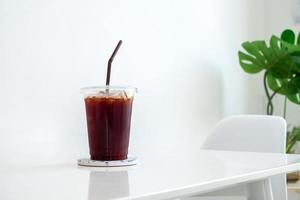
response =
{"points": [[256, 133]]}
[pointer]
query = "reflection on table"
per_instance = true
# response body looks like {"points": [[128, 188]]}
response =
{"points": [[108, 185]]}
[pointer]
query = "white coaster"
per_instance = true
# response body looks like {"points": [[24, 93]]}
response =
{"points": [[114, 163]]}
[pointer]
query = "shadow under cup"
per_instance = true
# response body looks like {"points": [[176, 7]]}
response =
{"points": [[108, 113]]}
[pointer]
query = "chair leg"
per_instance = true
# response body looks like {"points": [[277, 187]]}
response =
{"points": [[268, 189], [260, 190]]}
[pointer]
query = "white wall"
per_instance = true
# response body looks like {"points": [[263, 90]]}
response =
{"points": [[182, 55]]}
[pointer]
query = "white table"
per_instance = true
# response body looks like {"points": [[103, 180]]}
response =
{"points": [[161, 176]]}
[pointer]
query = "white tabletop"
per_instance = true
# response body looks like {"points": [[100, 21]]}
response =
{"points": [[155, 177]]}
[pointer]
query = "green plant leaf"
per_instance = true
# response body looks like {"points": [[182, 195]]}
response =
{"points": [[263, 49], [295, 58], [276, 46], [249, 64], [255, 51], [281, 69], [280, 59], [297, 82], [281, 86], [295, 98], [295, 62], [292, 138], [288, 36], [275, 58]]}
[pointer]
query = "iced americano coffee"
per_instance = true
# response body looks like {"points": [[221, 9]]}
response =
{"points": [[108, 113]]}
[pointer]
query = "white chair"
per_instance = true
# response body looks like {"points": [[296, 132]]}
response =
{"points": [[254, 133]]}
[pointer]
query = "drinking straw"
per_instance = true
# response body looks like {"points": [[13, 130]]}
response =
{"points": [[110, 62]]}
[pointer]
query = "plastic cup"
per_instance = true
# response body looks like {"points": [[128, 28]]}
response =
{"points": [[108, 114]]}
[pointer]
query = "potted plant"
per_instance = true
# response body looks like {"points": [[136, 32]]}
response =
{"points": [[280, 63]]}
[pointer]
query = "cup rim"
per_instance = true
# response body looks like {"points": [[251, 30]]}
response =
{"points": [[94, 89]]}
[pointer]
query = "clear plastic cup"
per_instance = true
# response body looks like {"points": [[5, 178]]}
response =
{"points": [[108, 113]]}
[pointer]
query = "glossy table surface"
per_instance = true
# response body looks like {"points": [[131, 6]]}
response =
{"points": [[155, 177]]}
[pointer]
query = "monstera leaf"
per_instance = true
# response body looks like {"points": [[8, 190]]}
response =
{"points": [[280, 60], [290, 37], [288, 87], [281, 86], [291, 87], [275, 58]]}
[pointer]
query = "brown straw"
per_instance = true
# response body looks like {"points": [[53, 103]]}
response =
{"points": [[110, 62]]}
